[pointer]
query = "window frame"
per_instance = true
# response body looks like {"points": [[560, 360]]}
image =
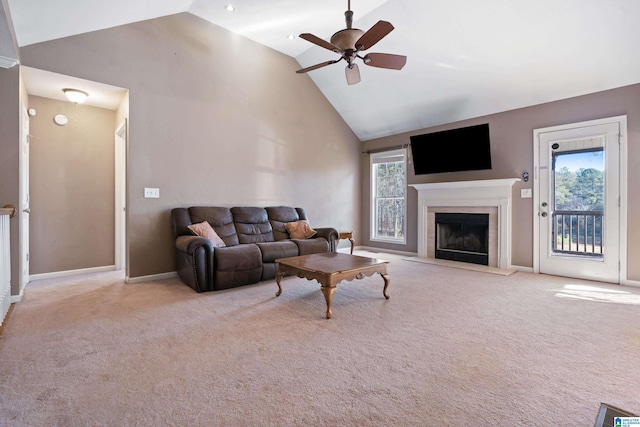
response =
{"points": [[375, 159]]}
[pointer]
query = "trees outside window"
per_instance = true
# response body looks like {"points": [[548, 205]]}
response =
{"points": [[579, 201], [388, 188]]}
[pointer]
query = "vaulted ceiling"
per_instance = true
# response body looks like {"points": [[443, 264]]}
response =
{"points": [[466, 58]]}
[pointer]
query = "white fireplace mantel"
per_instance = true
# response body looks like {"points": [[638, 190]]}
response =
{"points": [[488, 192]]}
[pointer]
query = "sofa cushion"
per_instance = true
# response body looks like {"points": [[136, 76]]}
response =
{"points": [[279, 216], [312, 246], [252, 224], [271, 251], [219, 218], [241, 257], [300, 229], [203, 229], [237, 265]]}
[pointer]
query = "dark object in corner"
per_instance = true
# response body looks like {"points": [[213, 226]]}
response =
{"points": [[607, 415]]}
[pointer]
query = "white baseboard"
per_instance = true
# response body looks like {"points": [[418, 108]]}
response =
{"points": [[390, 251], [152, 277], [521, 268], [56, 274], [17, 298], [630, 282]]}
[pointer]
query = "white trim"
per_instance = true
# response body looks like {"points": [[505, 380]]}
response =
{"points": [[523, 269], [630, 283], [120, 149], [488, 192], [622, 120], [480, 183], [152, 277], [623, 198], [6, 62], [372, 198], [66, 273], [17, 298], [390, 251]]}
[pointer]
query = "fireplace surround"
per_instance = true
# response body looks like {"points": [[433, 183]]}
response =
{"points": [[492, 197]]}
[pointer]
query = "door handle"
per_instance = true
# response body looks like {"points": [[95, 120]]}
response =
{"points": [[27, 210]]}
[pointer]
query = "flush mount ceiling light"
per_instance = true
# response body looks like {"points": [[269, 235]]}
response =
{"points": [[230, 8], [76, 96]]}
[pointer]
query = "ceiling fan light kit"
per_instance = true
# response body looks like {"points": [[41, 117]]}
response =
{"points": [[348, 43]]}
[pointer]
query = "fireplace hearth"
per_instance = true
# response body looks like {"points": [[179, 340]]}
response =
{"points": [[462, 237]]}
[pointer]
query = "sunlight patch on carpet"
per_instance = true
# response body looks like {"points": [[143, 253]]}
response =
{"points": [[598, 294]]}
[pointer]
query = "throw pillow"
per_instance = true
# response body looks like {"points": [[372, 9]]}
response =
{"points": [[205, 230], [300, 229]]}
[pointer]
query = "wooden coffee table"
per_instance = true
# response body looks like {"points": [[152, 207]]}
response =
{"points": [[329, 269]]}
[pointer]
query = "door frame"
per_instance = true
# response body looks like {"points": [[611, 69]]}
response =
{"points": [[622, 120], [120, 195], [24, 202]]}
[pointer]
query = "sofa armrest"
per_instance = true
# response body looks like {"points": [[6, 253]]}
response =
{"points": [[194, 262], [331, 234], [188, 244]]}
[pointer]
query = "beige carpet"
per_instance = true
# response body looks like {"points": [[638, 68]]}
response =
{"points": [[450, 348]]}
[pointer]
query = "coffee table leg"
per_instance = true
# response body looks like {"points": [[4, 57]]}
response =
{"points": [[279, 275], [328, 292], [386, 284]]}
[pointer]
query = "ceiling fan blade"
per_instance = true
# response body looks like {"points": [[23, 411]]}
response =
{"points": [[374, 35], [385, 60], [315, 67], [353, 74], [318, 41]]}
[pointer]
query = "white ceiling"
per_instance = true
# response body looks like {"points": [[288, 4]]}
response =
{"points": [[466, 58]]}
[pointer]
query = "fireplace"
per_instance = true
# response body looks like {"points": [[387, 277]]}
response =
{"points": [[491, 196], [462, 237]]}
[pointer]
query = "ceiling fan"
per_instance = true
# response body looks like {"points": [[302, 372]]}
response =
{"points": [[350, 42]]}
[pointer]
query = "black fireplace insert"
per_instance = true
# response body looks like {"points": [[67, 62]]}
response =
{"points": [[462, 237]]}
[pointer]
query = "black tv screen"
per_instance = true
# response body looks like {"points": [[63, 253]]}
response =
{"points": [[462, 149]]}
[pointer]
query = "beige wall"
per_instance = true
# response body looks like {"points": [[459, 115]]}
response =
{"points": [[215, 119], [512, 154], [71, 187], [9, 158]]}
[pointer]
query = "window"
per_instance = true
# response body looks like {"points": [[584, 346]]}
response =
{"points": [[388, 189]]}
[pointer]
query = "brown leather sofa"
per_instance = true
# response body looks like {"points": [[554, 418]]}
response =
{"points": [[254, 237]]}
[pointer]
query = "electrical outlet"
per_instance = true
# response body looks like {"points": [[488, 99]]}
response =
{"points": [[151, 193], [525, 193]]}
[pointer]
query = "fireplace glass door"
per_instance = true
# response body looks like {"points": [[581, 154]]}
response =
{"points": [[462, 237]]}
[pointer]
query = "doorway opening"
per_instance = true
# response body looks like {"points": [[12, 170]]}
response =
{"points": [[85, 162]]}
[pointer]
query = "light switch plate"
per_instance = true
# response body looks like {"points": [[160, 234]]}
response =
{"points": [[151, 193], [525, 193]]}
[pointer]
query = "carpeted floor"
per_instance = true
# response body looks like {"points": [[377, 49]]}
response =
{"points": [[451, 347]]}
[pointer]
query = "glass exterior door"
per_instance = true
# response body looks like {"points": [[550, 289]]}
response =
{"points": [[579, 196]]}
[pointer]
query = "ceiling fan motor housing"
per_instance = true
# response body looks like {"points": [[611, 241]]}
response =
{"points": [[346, 39]]}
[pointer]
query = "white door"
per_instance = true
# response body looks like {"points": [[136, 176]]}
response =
{"points": [[578, 200], [24, 197], [120, 194]]}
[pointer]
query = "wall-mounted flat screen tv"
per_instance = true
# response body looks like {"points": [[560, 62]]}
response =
{"points": [[462, 149]]}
